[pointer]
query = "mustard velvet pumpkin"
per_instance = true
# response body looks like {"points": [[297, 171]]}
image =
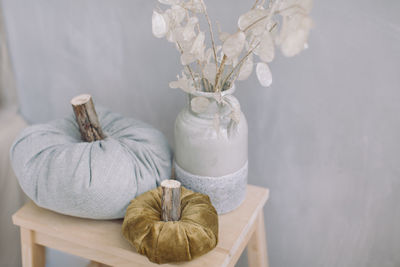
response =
{"points": [[195, 234]]}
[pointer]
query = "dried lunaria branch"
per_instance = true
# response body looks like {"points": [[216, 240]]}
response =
{"points": [[239, 65], [220, 66], [187, 66], [211, 33], [219, 73]]}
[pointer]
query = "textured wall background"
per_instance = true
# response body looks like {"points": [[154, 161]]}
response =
{"points": [[324, 137], [7, 83]]}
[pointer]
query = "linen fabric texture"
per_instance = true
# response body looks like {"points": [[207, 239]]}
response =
{"points": [[97, 180], [195, 234]]}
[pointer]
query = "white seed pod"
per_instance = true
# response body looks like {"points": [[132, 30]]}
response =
{"points": [[198, 46], [189, 32], [230, 60], [246, 69], [185, 45], [178, 14], [209, 55], [175, 35], [234, 61], [223, 36], [198, 43], [234, 44], [266, 49], [159, 25], [195, 6], [210, 71], [288, 25], [306, 4], [182, 83], [296, 34], [264, 74], [250, 18], [187, 58], [199, 104]]}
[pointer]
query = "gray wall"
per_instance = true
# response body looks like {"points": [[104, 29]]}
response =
{"points": [[323, 138], [7, 86]]}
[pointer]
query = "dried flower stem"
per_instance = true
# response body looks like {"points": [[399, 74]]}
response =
{"points": [[187, 66], [191, 74], [220, 71], [239, 65], [255, 22], [272, 12], [241, 62], [201, 66], [273, 27], [197, 62], [238, 72], [211, 33]]}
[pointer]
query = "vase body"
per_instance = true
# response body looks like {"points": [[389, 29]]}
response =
{"points": [[211, 155]]}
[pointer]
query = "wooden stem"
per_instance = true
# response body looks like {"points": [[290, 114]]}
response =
{"points": [[219, 72], [87, 119], [171, 200]]}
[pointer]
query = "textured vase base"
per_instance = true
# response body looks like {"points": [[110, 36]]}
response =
{"points": [[226, 192]]}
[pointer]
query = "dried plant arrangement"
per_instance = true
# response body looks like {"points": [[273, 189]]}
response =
{"points": [[231, 57], [213, 60]]}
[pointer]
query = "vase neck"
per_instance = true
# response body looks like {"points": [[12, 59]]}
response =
{"points": [[213, 108]]}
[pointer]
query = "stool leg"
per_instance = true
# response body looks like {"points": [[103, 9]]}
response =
{"points": [[33, 255], [257, 246]]}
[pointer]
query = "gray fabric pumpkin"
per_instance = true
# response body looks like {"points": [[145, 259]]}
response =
{"points": [[92, 180]]}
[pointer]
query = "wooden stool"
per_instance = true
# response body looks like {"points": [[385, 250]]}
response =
{"points": [[102, 241]]}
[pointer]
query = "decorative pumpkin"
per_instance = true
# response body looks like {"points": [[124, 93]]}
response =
{"points": [[194, 234], [60, 172]]}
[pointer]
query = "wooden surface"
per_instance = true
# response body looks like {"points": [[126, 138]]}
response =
{"points": [[102, 241], [33, 255], [257, 246]]}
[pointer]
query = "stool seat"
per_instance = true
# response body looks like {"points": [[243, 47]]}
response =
{"points": [[102, 241]]}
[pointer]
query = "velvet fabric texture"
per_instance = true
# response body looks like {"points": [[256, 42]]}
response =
{"points": [[195, 234]]}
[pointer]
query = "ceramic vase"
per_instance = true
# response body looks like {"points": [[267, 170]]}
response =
{"points": [[211, 149]]}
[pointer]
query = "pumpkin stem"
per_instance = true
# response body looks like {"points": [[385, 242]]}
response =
{"points": [[170, 200], [86, 117]]}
